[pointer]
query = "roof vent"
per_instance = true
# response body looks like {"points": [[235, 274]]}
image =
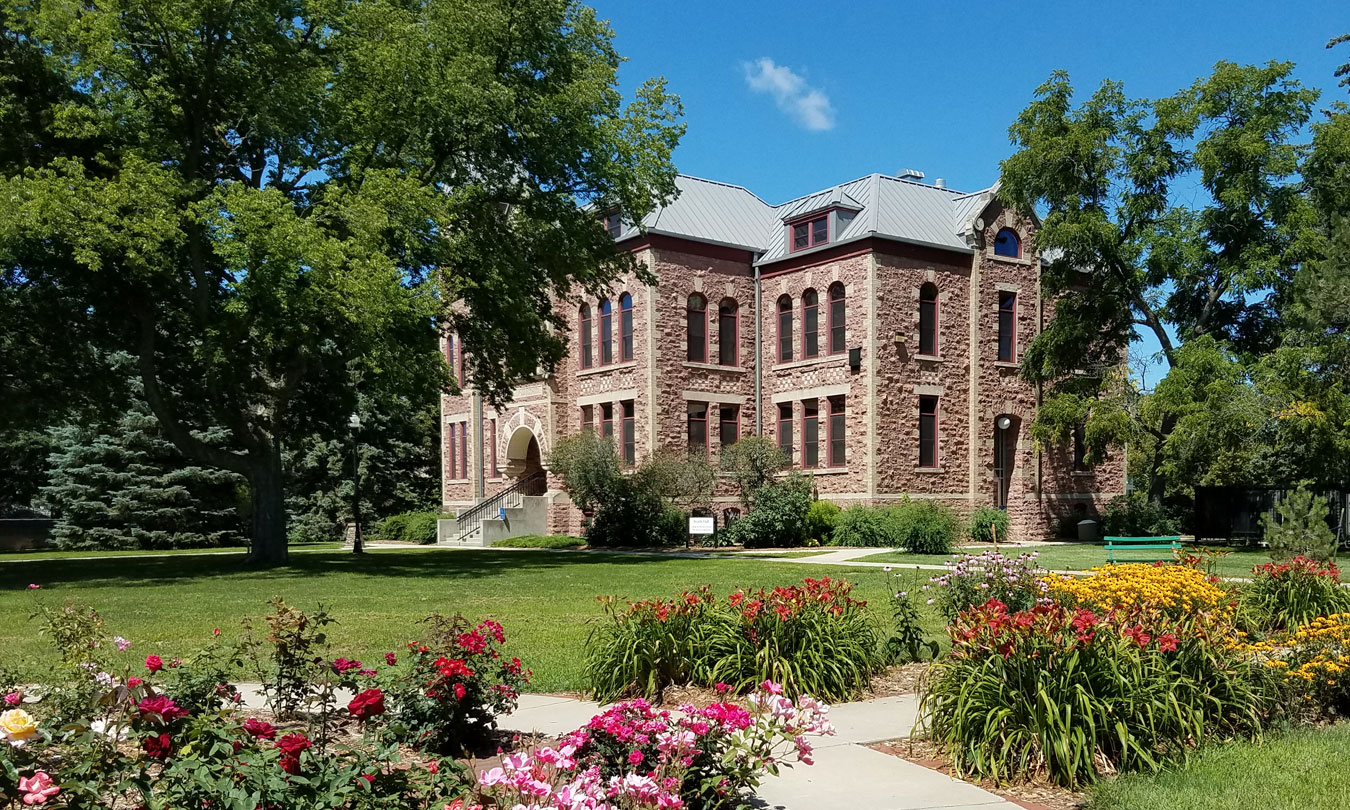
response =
{"points": [[938, 182], [910, 174]]}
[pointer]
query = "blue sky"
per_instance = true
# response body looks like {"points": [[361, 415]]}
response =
{"points": [[788, 97]]}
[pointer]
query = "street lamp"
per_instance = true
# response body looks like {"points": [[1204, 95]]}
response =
{"points": [[355, 424]]}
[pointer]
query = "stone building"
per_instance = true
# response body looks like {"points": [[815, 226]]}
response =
{"points": [[873, 330]]}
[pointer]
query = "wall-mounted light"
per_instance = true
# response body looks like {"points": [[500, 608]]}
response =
{"points": [[1004, 423]]}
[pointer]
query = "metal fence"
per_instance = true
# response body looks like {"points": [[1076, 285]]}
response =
{"points": [[1234, 513]]}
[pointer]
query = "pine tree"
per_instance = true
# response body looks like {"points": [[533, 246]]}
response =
{"points": [[125, 486]]}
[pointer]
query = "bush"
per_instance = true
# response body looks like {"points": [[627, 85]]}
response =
{"points": [[540, 541], [647, 646], [988, 522], [392, 528], [1069, 694], [1136, 516], [1283, 596], [928, 527], [868, 526], [1301, 528], [779, 517], [821, 517], [421, 528], [634, 516], [973, 579], [754, 462]]}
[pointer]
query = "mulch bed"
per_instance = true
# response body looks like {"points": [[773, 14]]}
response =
{"points": [[1032, 795]]}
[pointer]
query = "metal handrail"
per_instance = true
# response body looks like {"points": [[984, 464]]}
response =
{"points": [[511, 497]]}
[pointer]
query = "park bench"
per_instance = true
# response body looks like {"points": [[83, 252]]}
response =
{"points": [[1152, 548]]}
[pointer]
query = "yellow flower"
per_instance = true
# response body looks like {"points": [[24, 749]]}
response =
{"points": [[18, 726]]}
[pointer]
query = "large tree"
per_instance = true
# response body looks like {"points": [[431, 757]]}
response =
{"points": [[274, 204], [1183, 216]]}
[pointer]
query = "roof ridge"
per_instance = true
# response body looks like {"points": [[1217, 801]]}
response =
{"points": [[928, 186], [736, 186]]}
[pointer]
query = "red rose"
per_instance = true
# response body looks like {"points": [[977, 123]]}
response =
{"points": [[459, 691], [134, 682], [290, 764], [344, 665], [158, 747], [154, 663], [293, 744], [367, 704], [162, 706], [260, 729], [390, 659]]}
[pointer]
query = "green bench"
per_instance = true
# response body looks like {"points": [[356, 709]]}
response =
{"points": [[1150, 547]]}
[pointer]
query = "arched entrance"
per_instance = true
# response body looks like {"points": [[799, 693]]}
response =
{"points": [[523, 457]]}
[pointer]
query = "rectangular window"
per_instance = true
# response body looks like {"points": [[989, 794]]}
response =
{"points": [[606, 333], [837, 432], [785, 331], [1007, 327], [785, 430], [613, 223], [728, 333], [928, 416], [811, 233], [1080, 449], [810, 325], [492, 449], [729, 424], [453, 451], [810, 434], [698, 427], [584, 336], [607, 420], [820, 231], [588, 417], [463, 449], [801, 236], [629, 433]]}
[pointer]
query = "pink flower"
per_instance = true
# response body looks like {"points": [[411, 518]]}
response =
{"points": [[1167, 642], [34, 587], [635, 757], [38, 788], [13, 698], [261, 729], [390, 659], [215, 632], [721, 688], [344, 665], [154, 663], [771, 687], [161, 706], [133, 682], [122, 644]]}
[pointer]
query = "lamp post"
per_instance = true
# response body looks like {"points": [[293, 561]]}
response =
{"points": [[355, 424]]}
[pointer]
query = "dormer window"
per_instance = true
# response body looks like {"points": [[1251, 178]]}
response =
{"points": [[810, 233], [613, 223], [1007, 244]]}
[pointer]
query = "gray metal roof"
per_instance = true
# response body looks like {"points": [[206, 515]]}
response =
{"points": [[886, 206]]}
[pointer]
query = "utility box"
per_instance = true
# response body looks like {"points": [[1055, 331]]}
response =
{"points": [[1087, 531]]}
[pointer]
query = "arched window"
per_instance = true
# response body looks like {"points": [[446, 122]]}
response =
{"points": [[837, 318], [728, 333], [606, 332], [810, 324], [1006, 243], [625, 327], [450, 356], [584, 336], [784, 329], [696, 321], [928, 320]]}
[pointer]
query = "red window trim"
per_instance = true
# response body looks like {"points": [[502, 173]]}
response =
{"points": [[627, 423], [689, 418], [1012, 353], [937, 321], [722, 408], [688, 310], [607, 407], [829, 319], [604, 318], [790, 331], [585, 337], [1017, 237], [815, 466], [789, 421], [451, 450], [937, 440], [829, 432], [627, 346], [808, 221], [805, 356], [735, 332]]}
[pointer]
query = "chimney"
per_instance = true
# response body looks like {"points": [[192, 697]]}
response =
{"points": [[938, 182], [910, 174]]}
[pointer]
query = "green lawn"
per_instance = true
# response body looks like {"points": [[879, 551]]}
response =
{"points": [[1299, 771], [169, 604], [1080, 558], [238, 551]]}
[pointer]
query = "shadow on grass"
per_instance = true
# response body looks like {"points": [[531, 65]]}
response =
{"points": [[403, 564]]}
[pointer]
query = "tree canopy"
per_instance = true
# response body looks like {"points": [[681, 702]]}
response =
{"points": [[274, 205]]}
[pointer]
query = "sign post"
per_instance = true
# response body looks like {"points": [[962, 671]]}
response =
{"points": [[701, 527]]}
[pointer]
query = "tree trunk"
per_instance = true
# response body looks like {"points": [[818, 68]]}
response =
{"points": [[1155, 477], [268, 527]]}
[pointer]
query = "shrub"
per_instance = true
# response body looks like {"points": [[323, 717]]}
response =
{"points": [[754, 462], [779, 516], [1301, 528], [634, 516], [392, 528], [1136, 516], [1286, 595], [821, 517], [421, 528], [1177, 590], [928, 527], [973, 579], [289, 659], [987, 523], [868, 526], [1071, 693], [647, 646]]}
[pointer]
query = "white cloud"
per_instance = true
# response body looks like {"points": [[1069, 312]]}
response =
{"points": [[809, 106]]}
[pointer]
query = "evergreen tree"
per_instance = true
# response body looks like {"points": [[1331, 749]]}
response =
{"points": [[126, 487]]}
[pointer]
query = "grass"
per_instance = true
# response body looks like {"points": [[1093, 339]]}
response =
{"points": [[21, 556], [1080, 558], [540, 541], [1298, 771], [169, 604]]}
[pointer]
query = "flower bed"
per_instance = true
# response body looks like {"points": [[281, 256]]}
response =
{"points": [[973, 579], [1312, 663], [1286, 595], [812, 638], [1177, 590]]}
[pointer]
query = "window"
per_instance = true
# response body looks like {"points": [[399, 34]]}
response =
{"points": [[696, 329], [728, 332], [588, 417], [492, 449], [785, 329], [613, 223], [928, 416], [728, 424], [785, 430], [1007, 327], [450, 356], [453, 451], [1080, 448], [810, 324], [836, 318], [810, 434], [1006, 243], [607, 420], [584, 335], [698, 428], [463, 449], [928, 320], [629, 435], [606, 332], [837, 433], [625, 327], [810, 233]]}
